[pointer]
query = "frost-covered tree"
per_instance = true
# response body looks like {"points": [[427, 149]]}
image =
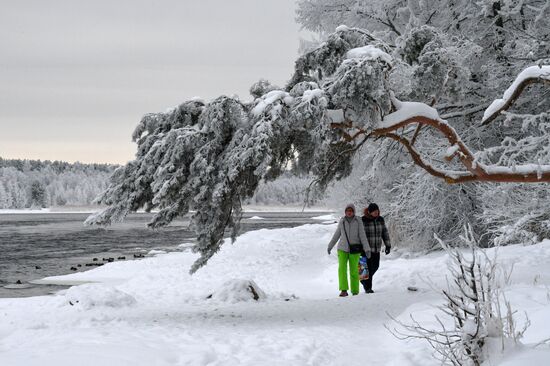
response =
{"points": [[38, 194], [515, 213], [210, 156], [6, 200], [457, 56]]}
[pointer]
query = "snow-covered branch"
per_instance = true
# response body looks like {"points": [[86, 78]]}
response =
{"points": [[531, 75], [409, 113]]}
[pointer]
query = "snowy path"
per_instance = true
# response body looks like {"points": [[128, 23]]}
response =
{"points": [[151, 312]]}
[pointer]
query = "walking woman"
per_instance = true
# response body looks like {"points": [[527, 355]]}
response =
{"points": [[376, 233], [352, 241]]}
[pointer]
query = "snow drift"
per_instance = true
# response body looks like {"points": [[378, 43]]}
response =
{"points": [[92, 295], [234, 291]]}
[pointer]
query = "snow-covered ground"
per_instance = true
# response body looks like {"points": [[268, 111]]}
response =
{"points": [[152, 312], [284, 208], [329, 217]]}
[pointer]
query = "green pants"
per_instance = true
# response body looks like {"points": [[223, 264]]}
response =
{"points": [[344, 258]]}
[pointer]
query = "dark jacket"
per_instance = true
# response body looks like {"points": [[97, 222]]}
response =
{"points": [[376, 232]]}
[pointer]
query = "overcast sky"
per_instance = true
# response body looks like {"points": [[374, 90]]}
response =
{"points": [[76, 76]]}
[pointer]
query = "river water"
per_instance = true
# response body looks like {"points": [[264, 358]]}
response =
{"points": [[33, 246]]}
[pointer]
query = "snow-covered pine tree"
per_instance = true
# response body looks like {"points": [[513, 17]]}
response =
{"points": [[210, 156], [37, 194]]}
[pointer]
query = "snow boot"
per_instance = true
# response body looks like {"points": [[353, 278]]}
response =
{"points": [[343, 294]]}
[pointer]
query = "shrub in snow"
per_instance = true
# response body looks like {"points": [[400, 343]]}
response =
{"points": [[480, 316], [94, 295], [234, 291]]}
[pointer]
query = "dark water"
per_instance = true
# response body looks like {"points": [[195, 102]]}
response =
{"points": [[33, 246]]}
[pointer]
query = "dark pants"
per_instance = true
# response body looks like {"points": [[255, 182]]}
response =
{"points": [[373, 263]]}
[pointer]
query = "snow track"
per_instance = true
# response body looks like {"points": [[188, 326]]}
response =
{"points": [[302, 322]]}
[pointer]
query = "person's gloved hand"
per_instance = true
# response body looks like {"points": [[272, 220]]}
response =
{"points": [[328, 251], [387, 251]]}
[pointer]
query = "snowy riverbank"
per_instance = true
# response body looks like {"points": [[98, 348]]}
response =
{"points": [[152, 312]]}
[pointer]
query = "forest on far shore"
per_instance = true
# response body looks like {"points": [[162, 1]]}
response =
{"points": [[41, 184]]}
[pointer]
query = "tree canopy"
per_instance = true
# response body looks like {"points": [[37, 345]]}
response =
{"points": [[207, 157]]}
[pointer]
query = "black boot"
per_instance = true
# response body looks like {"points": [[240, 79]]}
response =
{"points": [[367, 285]]}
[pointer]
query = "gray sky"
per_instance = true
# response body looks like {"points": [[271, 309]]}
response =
{"points": [[76, 76]]}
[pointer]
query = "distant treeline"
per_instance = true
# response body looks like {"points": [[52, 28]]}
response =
{"points": [[285, 190], [36, 184]]}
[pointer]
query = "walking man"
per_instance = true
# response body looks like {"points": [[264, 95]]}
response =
{"points": [[376, 233]]}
